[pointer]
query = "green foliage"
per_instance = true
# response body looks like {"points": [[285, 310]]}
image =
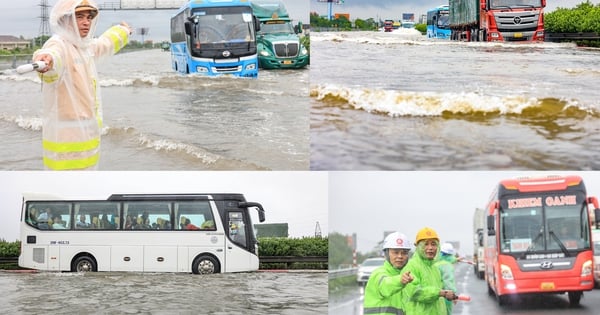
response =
{"points": [[339, 251], [306, 246], [585, 17], [339, 286], [10, 249], [421, 28]]}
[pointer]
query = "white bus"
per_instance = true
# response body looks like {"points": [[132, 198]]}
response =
{"points": [[198, 233]]}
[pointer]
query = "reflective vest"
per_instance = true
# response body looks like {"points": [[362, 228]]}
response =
{"points": [[383, 292]]}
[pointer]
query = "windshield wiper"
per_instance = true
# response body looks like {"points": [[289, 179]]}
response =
{"points": [[502, 6], [532, 246], [560, 243]]}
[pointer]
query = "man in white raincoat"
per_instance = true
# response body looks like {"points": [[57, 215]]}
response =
{"points": [[72, 119]]}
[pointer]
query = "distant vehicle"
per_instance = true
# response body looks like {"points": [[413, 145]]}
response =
{"points": [[408, 20], [538, 238], [366, 268], [497, 20], [278, 43], [197, 233], [478, 248], [596, 240], [215, 37], [438, 23], [388, 26]]}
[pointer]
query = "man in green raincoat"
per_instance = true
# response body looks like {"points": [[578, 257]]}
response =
{"points": [[445, 264], [425, 295], [383, 292]]}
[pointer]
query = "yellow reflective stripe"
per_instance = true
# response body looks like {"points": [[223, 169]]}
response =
{"points": [[48, 78], [118, 36], [60, 165], [66, 147]]}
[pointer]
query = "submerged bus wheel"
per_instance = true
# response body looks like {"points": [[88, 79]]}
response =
{"points": [[575, 298], [205, 264], [84, 264]]}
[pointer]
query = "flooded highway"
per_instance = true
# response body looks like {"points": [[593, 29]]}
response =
{"points": [[290, 293]]}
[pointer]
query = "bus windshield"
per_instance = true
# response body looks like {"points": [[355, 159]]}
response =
{"points": [[222, 28], [276, 28], [499, 4], [444, 20], [543, 228]]}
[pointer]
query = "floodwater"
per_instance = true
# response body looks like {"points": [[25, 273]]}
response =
{"points": [[156, 119], [400, 101], [164, 293]]}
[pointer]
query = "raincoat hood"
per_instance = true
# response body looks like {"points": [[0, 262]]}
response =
{"points": [[420, 251], [64, 24]]}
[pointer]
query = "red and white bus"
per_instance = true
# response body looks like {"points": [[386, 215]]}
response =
{"points": [[538, 238], [198, 233]]}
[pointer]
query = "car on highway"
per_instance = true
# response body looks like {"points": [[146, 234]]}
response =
{"points": [[366, 268]]}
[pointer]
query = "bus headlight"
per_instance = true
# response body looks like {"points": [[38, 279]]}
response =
{"points": [[495, 35], [265, 53], [586, 269], [201, 69], [505, 272], [304, 51], [251, 66]]}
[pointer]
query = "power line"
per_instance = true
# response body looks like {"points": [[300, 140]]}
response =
{"points": [[44, 19]]}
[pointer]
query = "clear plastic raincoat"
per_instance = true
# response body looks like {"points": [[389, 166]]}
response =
{"points": [[72, 114]]}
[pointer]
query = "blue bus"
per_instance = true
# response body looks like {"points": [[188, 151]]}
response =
{"points": [[215, 37], [438, 22]]}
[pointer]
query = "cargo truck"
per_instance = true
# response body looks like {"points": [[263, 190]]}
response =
{"points": [[478, 228], [497, 20], [278, 41]]}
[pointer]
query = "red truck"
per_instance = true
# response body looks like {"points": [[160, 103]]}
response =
{"points": [[388, 25], [497, 20]]}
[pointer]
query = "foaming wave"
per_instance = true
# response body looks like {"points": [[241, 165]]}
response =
{"points": [[173, 146], [403, 103], [27, 123]]}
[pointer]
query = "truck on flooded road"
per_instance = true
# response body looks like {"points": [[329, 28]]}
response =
{"points": [[278, 41], [497, 20]]}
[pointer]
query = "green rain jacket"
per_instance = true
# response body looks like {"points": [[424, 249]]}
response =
{"points": [[423, 293], [383, 293], [445, 264]]}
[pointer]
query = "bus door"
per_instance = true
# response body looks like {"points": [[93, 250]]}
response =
{"points": [[237, 256]]}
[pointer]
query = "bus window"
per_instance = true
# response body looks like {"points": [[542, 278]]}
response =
{"points": [[194, 215], [46, 216], [97, 215], [147, 215], [237, 228]]}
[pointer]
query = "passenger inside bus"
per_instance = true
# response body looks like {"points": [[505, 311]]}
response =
{"points": [[43, 219], [81, 224], [58, 223]]}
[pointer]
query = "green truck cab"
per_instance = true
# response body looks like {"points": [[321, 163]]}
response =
{"points": [[278, 41]]}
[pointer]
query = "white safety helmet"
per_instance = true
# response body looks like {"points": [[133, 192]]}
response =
{"points": [[396, 240], [447, 249]]}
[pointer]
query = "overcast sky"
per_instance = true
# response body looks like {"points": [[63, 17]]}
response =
{"points": [[393, 9], [298, 198], [369, 203], [22, 17]]}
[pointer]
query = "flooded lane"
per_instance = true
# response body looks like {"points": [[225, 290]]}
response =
{"points": [[164, 293], [400, 101]]}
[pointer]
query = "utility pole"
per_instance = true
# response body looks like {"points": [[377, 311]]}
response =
{"points": [[318, 230], [44, 21]]}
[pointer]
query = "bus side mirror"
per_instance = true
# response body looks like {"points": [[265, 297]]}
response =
{"points": [[543, 3], [597, 216], [261, 211], [490, 225], [256, 23], [298, 28], [483, 4], [188, 28]]}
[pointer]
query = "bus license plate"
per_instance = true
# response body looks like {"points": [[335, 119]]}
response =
{"points": [[287, 62], [547, 286], [518, 35]]}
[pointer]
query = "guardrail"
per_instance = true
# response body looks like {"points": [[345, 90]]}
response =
{"points": [[338, 273], [559, 37], [9, 260]]}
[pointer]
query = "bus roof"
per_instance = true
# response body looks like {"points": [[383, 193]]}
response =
{"points": [[128, 197], [543, 183]]}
